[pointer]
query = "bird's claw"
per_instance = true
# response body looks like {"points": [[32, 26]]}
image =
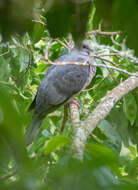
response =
{"points": [[75, 101]]}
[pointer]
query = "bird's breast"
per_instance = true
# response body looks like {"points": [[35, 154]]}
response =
{"points": [[91, 75]]}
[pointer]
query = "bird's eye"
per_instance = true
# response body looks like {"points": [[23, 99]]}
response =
{"points": [[84, 46]]}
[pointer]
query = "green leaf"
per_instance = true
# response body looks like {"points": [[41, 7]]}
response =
{"points": [[132, 168], [4, 68], [56, 142], [108, 130], [120, 123], [102, 155], [38, 32], [130, 107], [23, 60]]}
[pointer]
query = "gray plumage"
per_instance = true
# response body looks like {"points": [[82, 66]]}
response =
{"points": [[59, 86]]}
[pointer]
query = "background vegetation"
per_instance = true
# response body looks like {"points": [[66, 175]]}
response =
{"points": [[30, 34]]}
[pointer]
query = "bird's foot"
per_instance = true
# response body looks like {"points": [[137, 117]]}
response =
{"points": [[75, 101]]}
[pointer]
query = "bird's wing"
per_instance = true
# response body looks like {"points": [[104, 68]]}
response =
{"points": [[59, 86]]}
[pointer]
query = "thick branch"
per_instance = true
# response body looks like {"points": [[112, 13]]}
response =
{"points": [[74, 117], [75, 123], [65, 117], [84, 129]]}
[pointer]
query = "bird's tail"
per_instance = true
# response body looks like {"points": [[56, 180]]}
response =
{"points": [[33, 129]]}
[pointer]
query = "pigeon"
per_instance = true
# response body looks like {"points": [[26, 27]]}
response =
{"points": [[60, 85]]}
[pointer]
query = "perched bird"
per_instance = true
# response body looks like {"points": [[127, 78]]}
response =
{"points": [[60, 85]]}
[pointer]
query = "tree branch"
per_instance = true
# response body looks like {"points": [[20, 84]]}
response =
{"points": [[74, 117], [115, 68], [83, 129], [4, 53], [96, 85], [95, 64], [39, 21], [63, 44], [103, 33], [65, 118], [76, 148]]}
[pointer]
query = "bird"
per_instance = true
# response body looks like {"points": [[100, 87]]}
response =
{"points": [[60, 85]]}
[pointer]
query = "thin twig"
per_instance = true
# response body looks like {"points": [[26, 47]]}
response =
{"points": [[115, 68], [18, 44], [104, 59], [110, 54], [122, 54], [95, 138], [4, 53], [114, 42], [95, 86], [66, 42], [94, 64], [71, 43], [29, 65], [111, 73], [39, 21], [103, 33], [62, 43]]}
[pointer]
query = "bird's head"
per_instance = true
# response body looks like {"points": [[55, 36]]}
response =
{"points": [[86, 46]]}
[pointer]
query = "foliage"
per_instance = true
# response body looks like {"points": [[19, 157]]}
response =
{"points": [[15, 16], [110, 158], [120, 17]]}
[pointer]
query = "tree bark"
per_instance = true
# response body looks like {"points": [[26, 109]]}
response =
{"points": [[82, 129]]}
